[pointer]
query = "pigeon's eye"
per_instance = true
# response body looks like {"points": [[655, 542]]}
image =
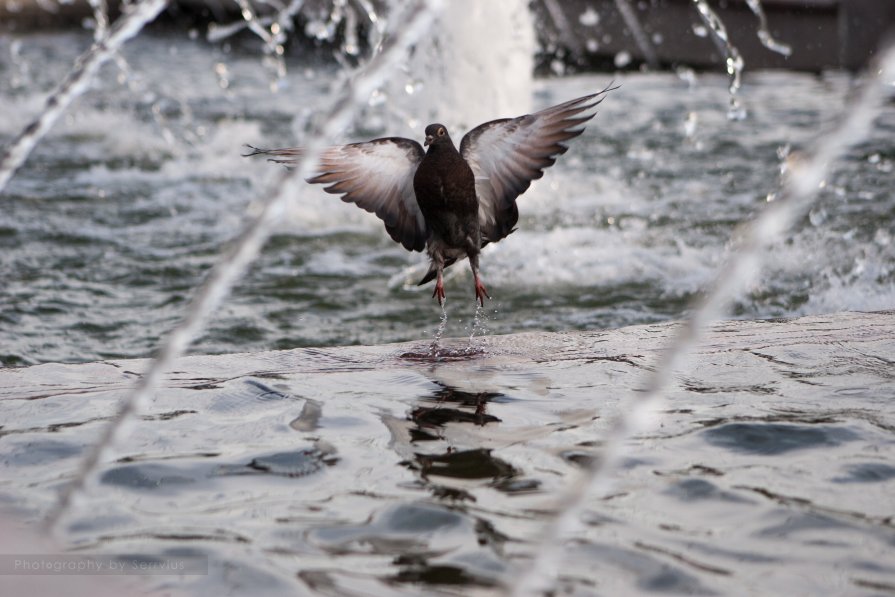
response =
{"points": [[441, 132]]}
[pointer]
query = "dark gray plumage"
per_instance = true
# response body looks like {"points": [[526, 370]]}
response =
{"points": [[449, 202]]}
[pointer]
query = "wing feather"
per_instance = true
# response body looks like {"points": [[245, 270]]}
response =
{"points": [[507, 154], [377, 176]]}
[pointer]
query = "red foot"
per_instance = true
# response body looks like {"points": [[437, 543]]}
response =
{"points": [[439, 292], [480, 292]]}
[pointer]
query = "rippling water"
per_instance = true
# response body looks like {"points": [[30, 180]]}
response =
{"points": [[120, 212]]}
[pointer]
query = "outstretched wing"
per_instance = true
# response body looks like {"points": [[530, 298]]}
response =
{"points": [[507, 154], [376, 176]]}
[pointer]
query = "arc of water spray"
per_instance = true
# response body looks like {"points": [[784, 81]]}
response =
{"points": [[733, 60], [805, 175], [415, 21], [274, 36], [76, 83]]}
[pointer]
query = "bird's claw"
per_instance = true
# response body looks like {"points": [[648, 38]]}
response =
{"points": [[439, 293], [480, 293]]}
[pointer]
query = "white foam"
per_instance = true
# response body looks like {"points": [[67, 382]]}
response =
{"points": [[589, 257]]}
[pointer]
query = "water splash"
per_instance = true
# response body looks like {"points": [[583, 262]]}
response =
{"points": [[416, 20], [804, 177], [478, 324], [449, 79], [733, 61], [273, 37], [76, 83], [439, 332], [764, 33], [274, 28]]}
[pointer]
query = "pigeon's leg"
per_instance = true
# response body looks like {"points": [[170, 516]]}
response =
{"points": [[438, 293], [439, 288], [480, 292]]}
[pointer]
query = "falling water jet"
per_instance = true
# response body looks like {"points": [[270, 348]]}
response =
{"points": [[464, 86], [76, 83], [100, 18], [805, 176], [764, 33], [733, 61], [415, 21]]}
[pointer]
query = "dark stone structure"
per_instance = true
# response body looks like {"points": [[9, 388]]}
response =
{"points": [[591, 34]]}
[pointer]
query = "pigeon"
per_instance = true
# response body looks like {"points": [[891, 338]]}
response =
{"points": [[447, 202]]}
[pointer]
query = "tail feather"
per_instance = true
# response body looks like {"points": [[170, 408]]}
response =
{"points": [[433, 271], [430, 275]]}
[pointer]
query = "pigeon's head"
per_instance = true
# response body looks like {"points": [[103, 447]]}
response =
{"points": [[437, 133]]}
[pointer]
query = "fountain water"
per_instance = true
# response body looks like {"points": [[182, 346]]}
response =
{"points": [[764, 33], [734, 61], [459, 84], [76, 83]]}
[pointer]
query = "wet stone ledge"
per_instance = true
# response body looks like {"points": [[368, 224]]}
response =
{"points": [[396, 469]]}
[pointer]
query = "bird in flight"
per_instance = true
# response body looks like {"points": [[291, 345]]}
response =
{"points": [[447, 202]]}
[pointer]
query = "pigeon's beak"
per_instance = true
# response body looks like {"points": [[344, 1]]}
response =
{"points": [[429, 140]]}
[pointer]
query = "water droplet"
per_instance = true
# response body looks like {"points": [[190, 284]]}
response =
{"points": [[699, 30], [589, 17], [622, 59], [377, 98], [690, 124], [687, 75], [557, 67], [736, 112], [783, 151], [222, 72], [817, 216], [592, 45]]}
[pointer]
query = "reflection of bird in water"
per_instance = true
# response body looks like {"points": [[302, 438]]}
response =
{"points": [[451, 203]]}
